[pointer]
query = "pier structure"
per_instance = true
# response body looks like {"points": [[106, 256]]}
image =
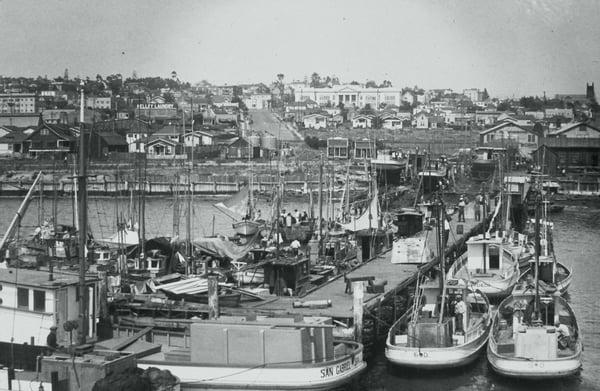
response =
{"points": [[388, 295]]}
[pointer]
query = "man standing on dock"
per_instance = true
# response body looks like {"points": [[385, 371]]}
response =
{"points": [[461, 209], [477, 206]]}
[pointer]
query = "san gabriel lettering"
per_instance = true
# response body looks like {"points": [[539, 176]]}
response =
{"points": [[336, 370]]}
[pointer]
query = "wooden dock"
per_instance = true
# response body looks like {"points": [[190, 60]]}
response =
{"points": [[398, 277]]}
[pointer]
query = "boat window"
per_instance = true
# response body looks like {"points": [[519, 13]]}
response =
{"points": [[154, 264], [23, 298], [494, 254], [39, 301]]}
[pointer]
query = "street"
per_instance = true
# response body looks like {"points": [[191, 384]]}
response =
{"points": [[266, 121]]}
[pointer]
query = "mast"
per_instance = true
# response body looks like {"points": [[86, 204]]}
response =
{"points": [[321, 198], [82, 330], [441, 255], [536, 308], [20, 213]]}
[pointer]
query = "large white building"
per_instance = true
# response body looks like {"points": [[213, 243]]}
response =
{"points": [[350, 95], [17, 103]]}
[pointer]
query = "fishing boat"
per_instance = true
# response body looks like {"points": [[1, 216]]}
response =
{"points": [[390, 167], [244, 273], [535, 332], [240, 208], [262, 354], [485, 162], [447, 326], [490, 264], [433, 174]]}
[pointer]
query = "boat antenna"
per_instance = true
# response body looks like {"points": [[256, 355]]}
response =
{"points": [[82, 208]]}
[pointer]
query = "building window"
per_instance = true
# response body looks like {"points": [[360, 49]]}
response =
{"points": [[44, 132], [531, 138], [23, 298], [39, 301]]}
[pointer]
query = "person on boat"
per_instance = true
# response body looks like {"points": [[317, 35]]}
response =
{"points": [[564, 335], [296, 215], [459, 310], [446, 230], [295, 246], [257, 216], [51, 341], [289, 220], [478, 203], [304, 216], [461, 209]]}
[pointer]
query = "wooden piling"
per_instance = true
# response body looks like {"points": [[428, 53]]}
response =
{"points": [[357, 309], [213, 298]]}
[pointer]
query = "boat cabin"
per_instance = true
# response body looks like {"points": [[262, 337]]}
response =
{"points": [[486, 256], [288, 276], [409, 222], [34, 300], [155, 264]]}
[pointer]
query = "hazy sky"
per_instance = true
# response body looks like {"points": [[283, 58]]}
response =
{"points": [[510, 46]]}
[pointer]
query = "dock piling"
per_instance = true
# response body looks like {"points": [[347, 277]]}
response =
{"points": [[357, 309], [213, 298]]}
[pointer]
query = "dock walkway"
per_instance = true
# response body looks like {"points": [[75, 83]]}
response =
{"points": [[398, 276]]}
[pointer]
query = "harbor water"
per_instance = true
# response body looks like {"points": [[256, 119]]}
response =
{"points": [[577, 244]]}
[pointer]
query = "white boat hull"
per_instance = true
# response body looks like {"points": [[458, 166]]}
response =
{"points": [[247, 227], [250, 276], [317, 376], [436, 358], [534, 369]]}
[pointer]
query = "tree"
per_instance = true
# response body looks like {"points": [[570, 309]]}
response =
{"points": [[386, 84], [354, 83], [169, 98], [371, 84], [485, 96], [315, 80]]}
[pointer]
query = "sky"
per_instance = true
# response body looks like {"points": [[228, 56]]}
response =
{"points": [[510, 47]]}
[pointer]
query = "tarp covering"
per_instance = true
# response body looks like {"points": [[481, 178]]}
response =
{"points": [[220, 246], [363, 221], [125, 237]]}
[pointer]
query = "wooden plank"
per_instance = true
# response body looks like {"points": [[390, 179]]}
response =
{"points": [[133, 338]]}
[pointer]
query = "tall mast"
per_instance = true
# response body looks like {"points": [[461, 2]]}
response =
{"points": [[321, 198], [536, 309], [82, 330]]}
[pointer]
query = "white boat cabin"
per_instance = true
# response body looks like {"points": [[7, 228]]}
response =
{"points": [[486, 256], [33, 301]]}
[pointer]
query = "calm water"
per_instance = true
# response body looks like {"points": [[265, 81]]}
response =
{"points": [[577, 243]]}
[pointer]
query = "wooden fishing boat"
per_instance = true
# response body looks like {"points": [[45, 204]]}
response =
{"points": [[448, 324], [427, 339], [524, 345], [489, 265], [265, 354], [245, 273], [553, 275], [535, 332]]}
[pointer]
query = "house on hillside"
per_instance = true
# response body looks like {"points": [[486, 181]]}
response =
{"points": [[238, 148], [364, 149], [52, 139], [315, 121], [338, 148], [364, 121], [391, 122], [561, 155], [16, 142], [422, 120], [104, 143], [161, 146]]}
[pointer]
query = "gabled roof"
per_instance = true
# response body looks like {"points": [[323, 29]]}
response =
{"points": [[571, 126], [156, 139], [16, 136], [169, 130], [528, 129], [111, 138], [61, 131], [366, 116], [314, 115]]}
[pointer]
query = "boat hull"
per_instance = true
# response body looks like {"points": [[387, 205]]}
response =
{"points": [[436, 358], [533, 369], [247, 227], [314, 376]]}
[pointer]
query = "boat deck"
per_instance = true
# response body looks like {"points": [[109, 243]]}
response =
{"points": [[398, 276], [506, 342]]}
